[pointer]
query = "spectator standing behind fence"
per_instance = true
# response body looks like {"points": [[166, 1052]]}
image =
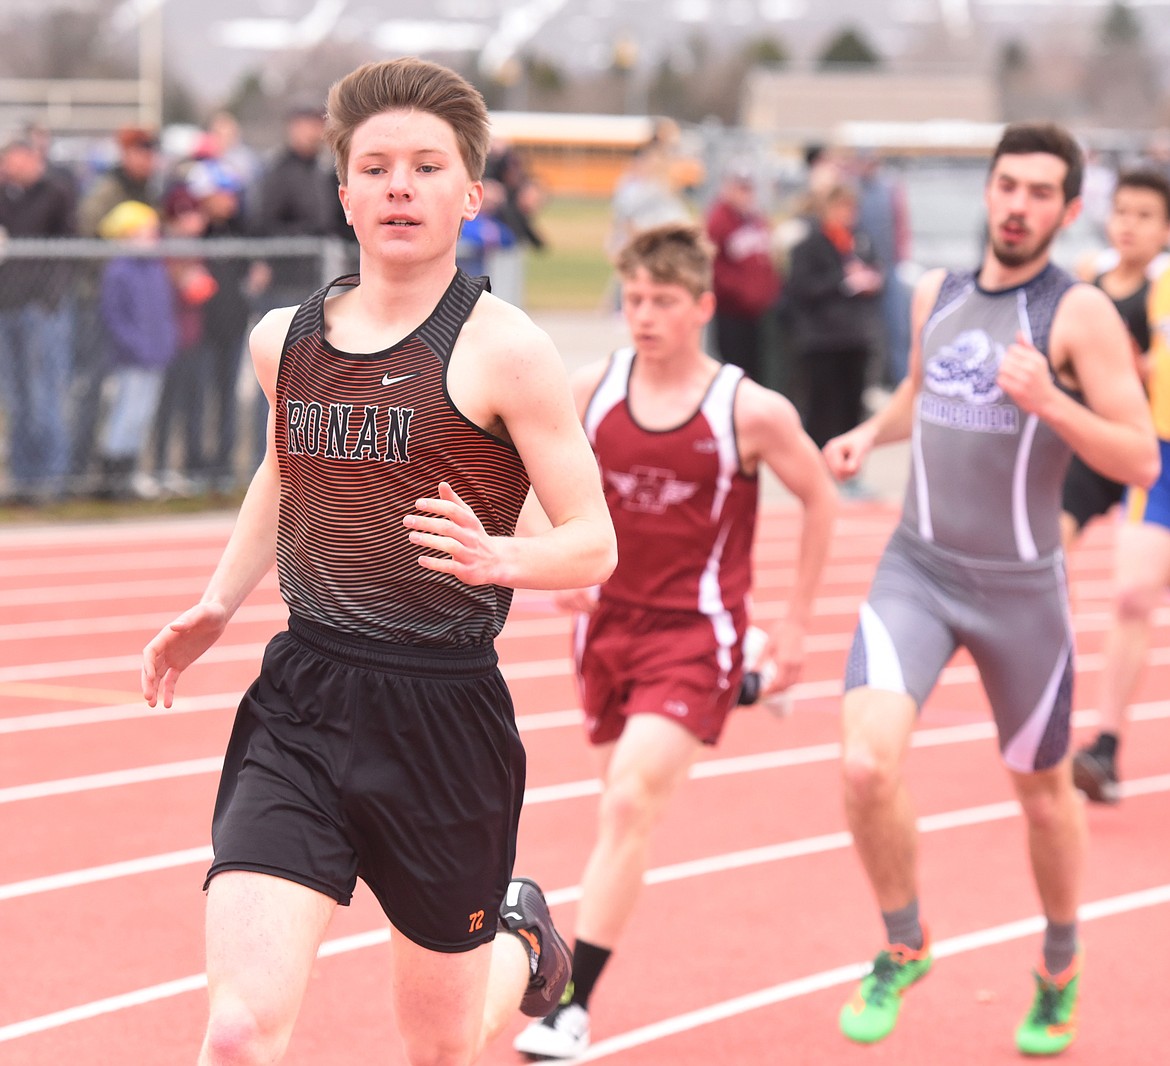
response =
{"points": [[644, 197], [135, 176], [36, 324], [882, 216], [746, 282], [831, 293], [485, 234], [295, 197], [218, 191], [179, 446], [137, 306], [228, 147]]}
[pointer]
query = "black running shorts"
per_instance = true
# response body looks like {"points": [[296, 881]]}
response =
{"points": [[399, 765], [1088, 494]]}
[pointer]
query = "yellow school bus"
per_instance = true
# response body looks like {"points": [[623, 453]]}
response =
{"points": [[585, 154]]}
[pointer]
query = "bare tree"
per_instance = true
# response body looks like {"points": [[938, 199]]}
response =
{"points": [[1120, 78]]}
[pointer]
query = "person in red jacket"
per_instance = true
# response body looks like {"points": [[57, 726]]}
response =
{"points": [[746, 282]]}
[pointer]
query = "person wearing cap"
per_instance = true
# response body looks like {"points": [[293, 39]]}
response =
{"points": [[133, 177], [295, 197], [219, 191], [138, 313], [746, 282]]}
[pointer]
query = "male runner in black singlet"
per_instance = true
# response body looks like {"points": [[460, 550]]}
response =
{"points": [[1138, 229], [410, 410]]}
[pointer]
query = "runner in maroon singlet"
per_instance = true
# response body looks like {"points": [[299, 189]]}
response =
{"points": [[680, 439]]}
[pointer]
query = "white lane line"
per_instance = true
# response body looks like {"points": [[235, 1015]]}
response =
{"points": [[154, 532], [842, 975], [561, 666], [110, 562], [112, 871], [957, 945], [121, 664], [116, 712], [721, 767], [111, 779], [222, 701], [733, 860], [114, 591], [275, 613]]}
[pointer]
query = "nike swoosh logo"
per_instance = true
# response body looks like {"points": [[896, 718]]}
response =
{"points": [[388, 380]]}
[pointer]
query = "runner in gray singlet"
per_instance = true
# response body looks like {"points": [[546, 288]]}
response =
{"points": [[976, 560], [979, 568]]}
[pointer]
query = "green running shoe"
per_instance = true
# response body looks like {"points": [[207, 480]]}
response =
{"points": [[870, 1015], [1051, 1024]]}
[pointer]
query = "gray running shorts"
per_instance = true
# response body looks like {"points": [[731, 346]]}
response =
{"points": [[1012, 617]]}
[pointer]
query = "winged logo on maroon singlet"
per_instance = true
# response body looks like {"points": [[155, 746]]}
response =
{"points": [[650, 489]]}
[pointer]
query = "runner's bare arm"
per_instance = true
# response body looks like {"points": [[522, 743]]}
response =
{"points": [[769, 431], [1112, 430], [533, 520], [248, 556], [520, 380]]}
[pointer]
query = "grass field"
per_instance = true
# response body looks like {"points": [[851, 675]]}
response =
{"points": [[572, 273]]}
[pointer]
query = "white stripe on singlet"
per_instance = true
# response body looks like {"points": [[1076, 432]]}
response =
{"points": [[1021, 526], [922, 489], [718, 408]]}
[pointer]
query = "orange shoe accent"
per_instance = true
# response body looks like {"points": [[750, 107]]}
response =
{"points": [[531, 939]]}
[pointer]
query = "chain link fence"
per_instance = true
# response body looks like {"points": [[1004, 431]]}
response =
{"points": [[123, 368]]}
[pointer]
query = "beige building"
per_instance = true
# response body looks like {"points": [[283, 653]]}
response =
{"points": [[805, 106]]}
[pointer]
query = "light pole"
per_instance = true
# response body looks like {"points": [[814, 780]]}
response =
{"points": [[146, 18]]}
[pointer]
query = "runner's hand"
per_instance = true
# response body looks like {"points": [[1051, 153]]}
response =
{"points": [[450, 526], [177, 646], [786, 649], [845, 454], [1024, 374]]}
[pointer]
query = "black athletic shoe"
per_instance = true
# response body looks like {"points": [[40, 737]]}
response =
{"points": [[1095, 775], [525, 913]]}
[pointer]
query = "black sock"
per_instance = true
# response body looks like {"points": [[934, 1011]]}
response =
{"points": [[588, 962], [1106, 745]]}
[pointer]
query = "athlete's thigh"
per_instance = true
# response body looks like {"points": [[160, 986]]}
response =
{"points": [[439, 996], [1142, 556], [1019, 634], [655, 751], [903, 637], [262, 937], [876, 726]]}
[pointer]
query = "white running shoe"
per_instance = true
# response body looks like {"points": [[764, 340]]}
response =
{"points": [[564, 1034]]}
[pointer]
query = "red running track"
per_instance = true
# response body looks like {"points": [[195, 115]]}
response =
{"points": [[756, 920]]}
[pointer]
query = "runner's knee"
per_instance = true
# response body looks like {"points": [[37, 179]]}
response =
{"points": [[438, 1049], [869, 773], [238, 1036], [629, 804], [1133, 602], [1047, 799]]}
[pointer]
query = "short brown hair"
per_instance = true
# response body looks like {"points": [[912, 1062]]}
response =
{"points": [[1146, 178], [673, 254], [1026, 138], [408, 84]]}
